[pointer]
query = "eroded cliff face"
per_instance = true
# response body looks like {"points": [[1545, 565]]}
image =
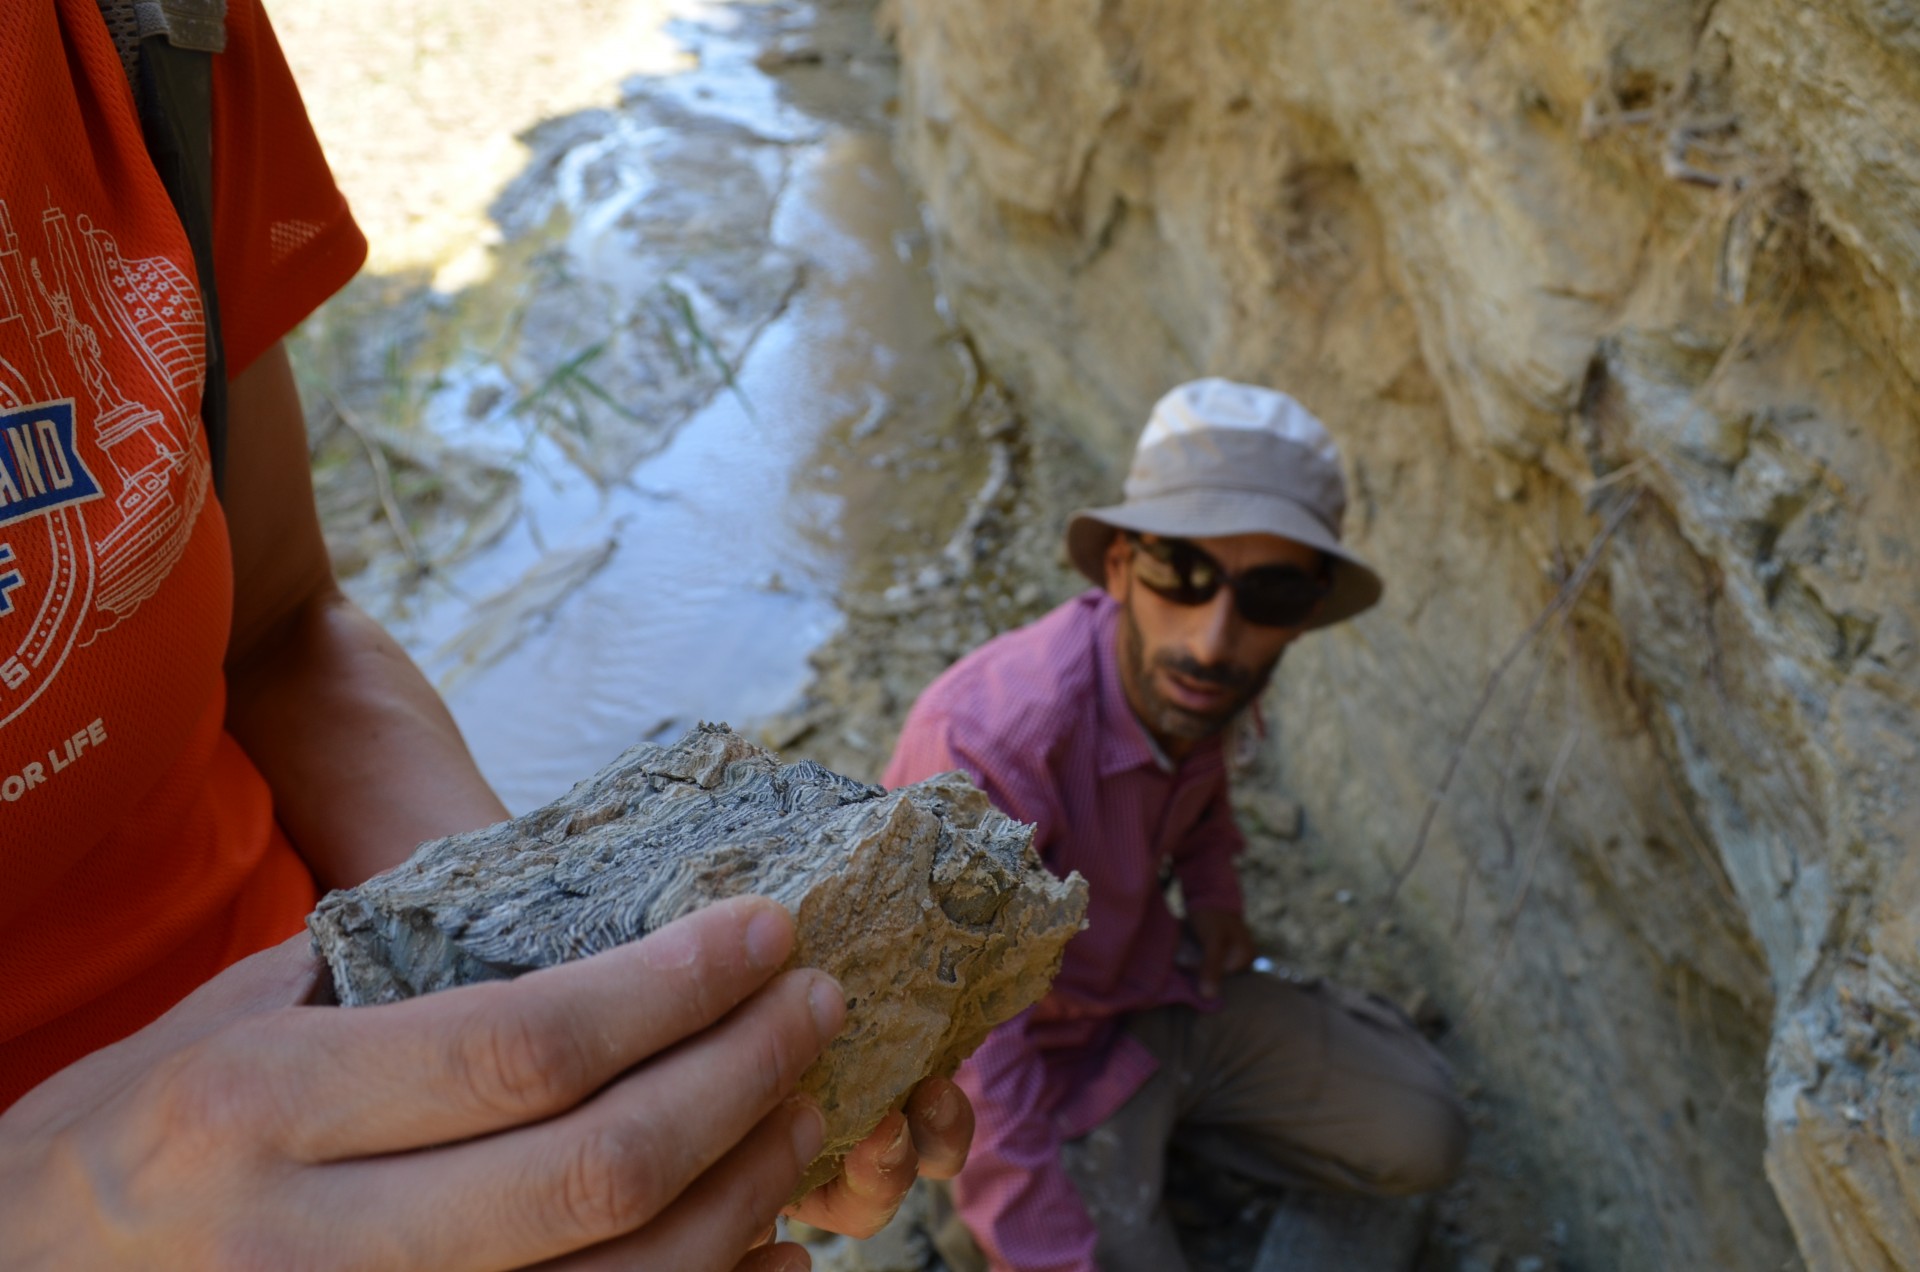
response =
{"points": [[1613, 306]]}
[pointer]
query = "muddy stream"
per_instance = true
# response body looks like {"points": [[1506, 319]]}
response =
{"points": [[697, 385]]}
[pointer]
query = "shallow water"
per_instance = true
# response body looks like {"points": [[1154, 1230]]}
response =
{"points": [[758, 401]]}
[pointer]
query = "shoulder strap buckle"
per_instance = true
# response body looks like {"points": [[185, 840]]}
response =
{"points": [[200, 25]]}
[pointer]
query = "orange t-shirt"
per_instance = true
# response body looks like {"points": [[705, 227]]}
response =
{"points": [[138, 850]]}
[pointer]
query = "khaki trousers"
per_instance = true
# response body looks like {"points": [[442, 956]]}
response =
{"points": [[1290, 1083]]}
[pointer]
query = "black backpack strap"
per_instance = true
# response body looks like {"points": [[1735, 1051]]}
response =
{"points": [[168, 47]]}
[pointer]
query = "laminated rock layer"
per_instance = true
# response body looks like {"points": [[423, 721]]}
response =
{"points": [[1634, 281], [927, 905]]}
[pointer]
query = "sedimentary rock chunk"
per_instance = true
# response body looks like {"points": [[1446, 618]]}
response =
{"points": [[928, 905]]}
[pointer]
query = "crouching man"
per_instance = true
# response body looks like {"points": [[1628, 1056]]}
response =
{"points": [[1101, 724]]}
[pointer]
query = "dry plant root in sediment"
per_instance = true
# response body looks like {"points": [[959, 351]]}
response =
{"points": [[928, 906]]}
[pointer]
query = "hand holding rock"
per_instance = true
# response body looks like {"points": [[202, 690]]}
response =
{"points": [[633, 1106], [926, 905]]}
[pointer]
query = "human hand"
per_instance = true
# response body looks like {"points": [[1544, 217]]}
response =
{"points": [[490, 1127], [1226, 946], [929, 1137]]}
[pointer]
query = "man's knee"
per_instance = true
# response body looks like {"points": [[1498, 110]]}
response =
{"points": [[1338, 1088], [1420, 1131], [1422, 1145]]}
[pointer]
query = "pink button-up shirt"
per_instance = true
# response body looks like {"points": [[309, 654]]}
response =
{"points": [[1039, 719]]}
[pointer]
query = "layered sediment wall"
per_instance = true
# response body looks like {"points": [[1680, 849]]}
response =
{"points": [[1613, 307]]}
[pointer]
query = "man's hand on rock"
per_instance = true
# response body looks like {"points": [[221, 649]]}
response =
{"points": [[629, 1109], [1226, 946]]}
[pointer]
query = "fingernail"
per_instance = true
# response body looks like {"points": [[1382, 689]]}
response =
{"points": [[946, 1109], [769, 937], [809, 1129], [829, 1006], [895, 1154]]}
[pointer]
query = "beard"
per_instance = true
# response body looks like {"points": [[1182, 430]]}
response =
{"points": [[1169, 720]]}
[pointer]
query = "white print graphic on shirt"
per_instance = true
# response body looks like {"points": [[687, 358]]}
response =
{"points": [[60, 756], [106, 471]]}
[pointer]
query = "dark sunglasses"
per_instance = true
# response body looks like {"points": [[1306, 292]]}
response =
{"points": [[1266, 596]]}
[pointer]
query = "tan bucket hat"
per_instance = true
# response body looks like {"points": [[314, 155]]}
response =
{"points": [[1220, 458]]}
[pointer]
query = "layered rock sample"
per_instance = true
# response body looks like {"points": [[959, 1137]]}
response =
{"points": [[928, 906], [1543, 269]]}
